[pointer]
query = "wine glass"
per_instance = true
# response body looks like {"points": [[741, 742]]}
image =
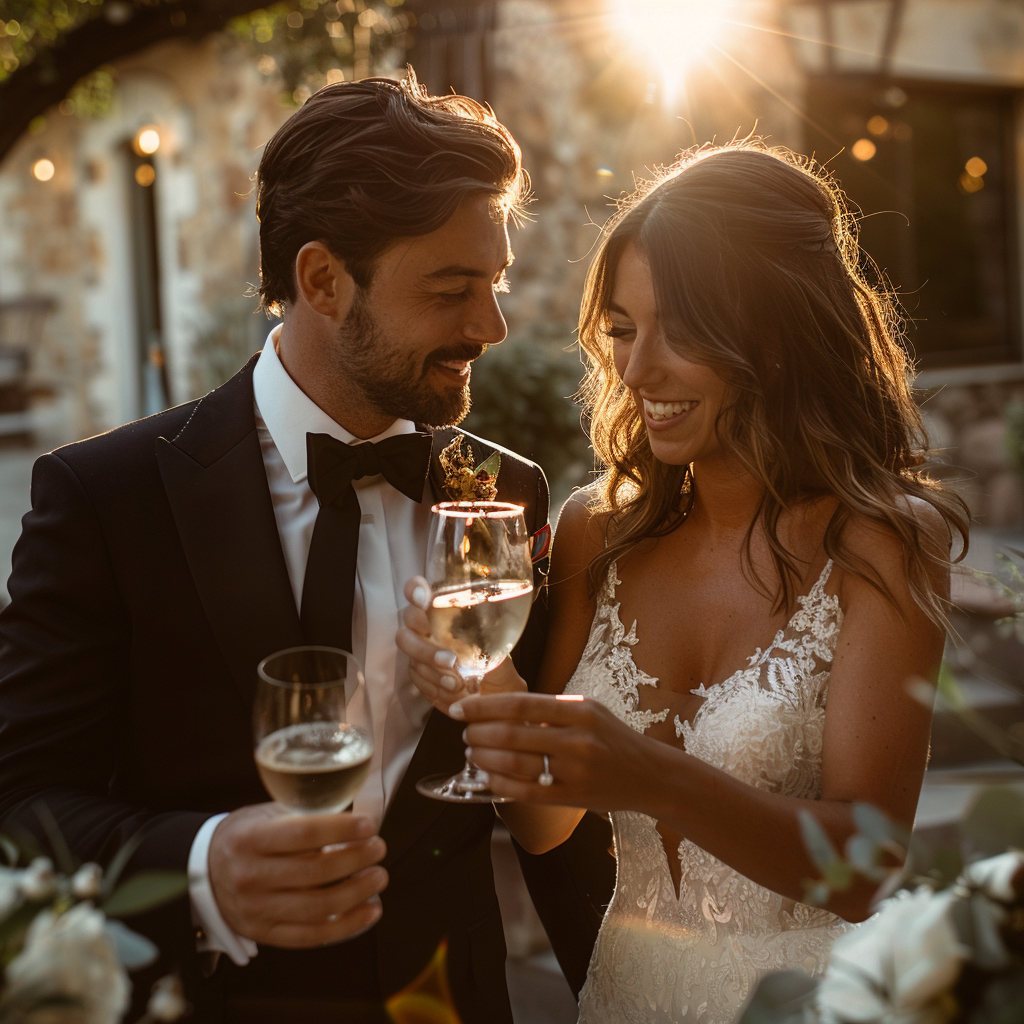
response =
{"points": [[481, 590], [312, 728]]}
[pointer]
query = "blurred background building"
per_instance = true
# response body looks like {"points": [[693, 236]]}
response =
{"points": [[130, 131]]}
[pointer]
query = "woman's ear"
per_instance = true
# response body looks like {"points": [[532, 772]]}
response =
{"points": [[323, 282]]}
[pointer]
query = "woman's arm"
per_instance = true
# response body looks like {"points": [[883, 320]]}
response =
{"points": [[874, 748]]}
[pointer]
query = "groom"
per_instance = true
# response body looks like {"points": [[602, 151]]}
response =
{"points": [[162, 561]]}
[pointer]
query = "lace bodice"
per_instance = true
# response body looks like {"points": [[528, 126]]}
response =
{"points": [[663, 959]]}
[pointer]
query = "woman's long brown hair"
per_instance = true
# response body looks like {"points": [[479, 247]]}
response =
{"points": [[757, 274]]}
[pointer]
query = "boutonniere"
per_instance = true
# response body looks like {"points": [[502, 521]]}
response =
{"points": [[462, 480]]}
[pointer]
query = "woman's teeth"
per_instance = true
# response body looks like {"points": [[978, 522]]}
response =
{"points": [[666, 410]]}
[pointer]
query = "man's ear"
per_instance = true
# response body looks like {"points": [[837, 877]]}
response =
{"points": [[323, 281]]}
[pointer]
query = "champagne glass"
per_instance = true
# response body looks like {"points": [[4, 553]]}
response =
{"points": [[481, 586], [312, 728]]}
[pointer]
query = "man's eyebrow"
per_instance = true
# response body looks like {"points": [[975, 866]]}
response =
{"points": [[457, 270]]}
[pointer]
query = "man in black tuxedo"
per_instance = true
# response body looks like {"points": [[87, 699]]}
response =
{"points": [[162, 561]]}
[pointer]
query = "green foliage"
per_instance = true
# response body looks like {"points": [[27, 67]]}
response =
{"points": [[29, 27], [522, 400], [307, 43], [144, 891]]}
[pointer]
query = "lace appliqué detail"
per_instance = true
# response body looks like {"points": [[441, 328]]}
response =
{"points": [[663, 959], [614, 679]]}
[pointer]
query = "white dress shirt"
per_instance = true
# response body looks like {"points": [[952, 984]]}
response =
{"points": [[392, 547]]}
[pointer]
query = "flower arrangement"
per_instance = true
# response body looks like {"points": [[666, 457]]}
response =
{"points": [[946, 945], [462, 480], [64, 955]]}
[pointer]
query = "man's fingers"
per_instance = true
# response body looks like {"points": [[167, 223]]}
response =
{"points": [[317, 905], [345, 926], [417, 591], [295, 833], [316, 868], [416, 620]]}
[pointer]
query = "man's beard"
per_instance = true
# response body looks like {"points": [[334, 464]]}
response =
{"points": [[390, 378]]}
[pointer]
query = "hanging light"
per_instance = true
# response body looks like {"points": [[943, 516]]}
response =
{"points": [[146, 141], [43, 169]]}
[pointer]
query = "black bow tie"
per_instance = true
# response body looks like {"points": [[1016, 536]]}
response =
{"points": [[328, 589]]}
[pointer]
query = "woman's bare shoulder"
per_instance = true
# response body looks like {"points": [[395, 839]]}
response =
{"points": [[582, 523]]}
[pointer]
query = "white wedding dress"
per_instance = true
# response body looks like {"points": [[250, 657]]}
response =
{"points": [[695, 959]]}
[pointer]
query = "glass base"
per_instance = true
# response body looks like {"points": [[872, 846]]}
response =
{"points": [[453, 790]]}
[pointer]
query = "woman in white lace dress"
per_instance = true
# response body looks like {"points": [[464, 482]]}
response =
{"points": [[738, 604]]}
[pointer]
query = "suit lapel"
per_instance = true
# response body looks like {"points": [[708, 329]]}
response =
{"points": [[216, 484]]}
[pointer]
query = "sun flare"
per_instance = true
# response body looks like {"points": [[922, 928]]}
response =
{"points": [[669, 36]]}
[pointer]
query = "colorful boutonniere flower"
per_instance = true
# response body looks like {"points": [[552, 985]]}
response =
{"points": [[465, 481]]}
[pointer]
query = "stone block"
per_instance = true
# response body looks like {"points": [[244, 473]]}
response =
{"points": [[983, 446], [1004, 501]]}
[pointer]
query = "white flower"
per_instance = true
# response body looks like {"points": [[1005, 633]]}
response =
{"points": [[995, 876], [85, 883], [38, 882], [70, 955], [10, 891], [897, 967], [167, 1001]]}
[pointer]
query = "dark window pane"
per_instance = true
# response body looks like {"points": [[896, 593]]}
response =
{"points": [[935, 184]]}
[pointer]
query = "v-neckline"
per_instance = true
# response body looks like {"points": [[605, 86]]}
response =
{"points": [[760, 654]]}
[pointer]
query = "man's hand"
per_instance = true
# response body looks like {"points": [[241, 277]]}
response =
{"points": [[296, 881]]}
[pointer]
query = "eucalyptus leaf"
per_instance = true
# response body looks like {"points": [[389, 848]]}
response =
{"points": [[782, 997], [67, 862], [133, 950], [995, 821], [817, 842], [872, 823], [839, 875], [144, 891], [490, 465], [864, 855], [9, 848], [119, 862]]}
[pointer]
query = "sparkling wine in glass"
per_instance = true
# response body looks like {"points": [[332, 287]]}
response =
{"points": [[312, 728], [481, 590]]}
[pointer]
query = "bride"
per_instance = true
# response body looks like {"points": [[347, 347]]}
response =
{"points": [[763, 541]]}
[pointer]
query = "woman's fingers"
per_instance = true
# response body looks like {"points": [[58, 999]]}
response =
{"points": [[535, 708]]}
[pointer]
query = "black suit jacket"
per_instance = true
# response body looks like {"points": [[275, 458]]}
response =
{"points": [[148, 583]]}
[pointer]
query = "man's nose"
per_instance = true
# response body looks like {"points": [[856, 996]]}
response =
{"points": [[486, 324]]}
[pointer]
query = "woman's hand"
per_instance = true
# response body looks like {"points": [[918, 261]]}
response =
{"points": [[596, 760], [431, 668]]}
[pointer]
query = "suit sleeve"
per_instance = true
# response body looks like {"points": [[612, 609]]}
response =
{"points": [[65, 642]]}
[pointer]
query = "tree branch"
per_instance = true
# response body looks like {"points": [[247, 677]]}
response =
{"points": [[37, 86]]}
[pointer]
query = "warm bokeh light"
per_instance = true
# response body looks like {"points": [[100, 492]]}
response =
{"points": [[42, 170], [147, 141], [864, 149], [670, 36], [605, 172], [878, 125], [145, 175], [976, 167], [971, 183]]}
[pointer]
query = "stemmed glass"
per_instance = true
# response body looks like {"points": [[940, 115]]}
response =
{"points": [[312, 728], [481, 586]]}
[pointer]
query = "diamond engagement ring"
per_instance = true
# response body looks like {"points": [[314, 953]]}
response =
{"points": [[545, 778]]}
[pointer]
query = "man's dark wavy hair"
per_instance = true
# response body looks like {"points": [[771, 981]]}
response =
{"points": [[362, 164]]}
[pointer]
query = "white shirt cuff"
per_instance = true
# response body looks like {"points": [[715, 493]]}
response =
{"points": [[214, 935]]}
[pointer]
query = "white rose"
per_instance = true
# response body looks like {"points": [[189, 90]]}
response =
{"points": [[71, 956], [38, 882], [999, 878], [896, 967], [86, 881], [10, 891]]}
